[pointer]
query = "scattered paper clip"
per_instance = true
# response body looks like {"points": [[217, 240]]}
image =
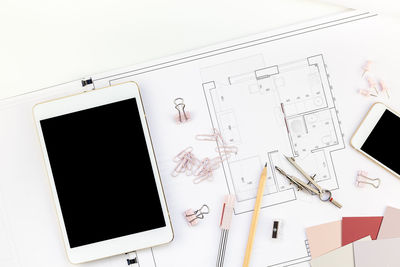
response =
{"points": [[372, 82], [215, 136], [366, 92], [367, 67], [183, 116], [193, 216], [205, 169], [363, 179], [224, 150], [187, 162], [384, 88]]}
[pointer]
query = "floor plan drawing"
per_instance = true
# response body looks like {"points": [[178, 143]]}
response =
{"points": [[268, 94], [268, 111]]}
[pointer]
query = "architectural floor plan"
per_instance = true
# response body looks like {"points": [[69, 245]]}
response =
{"points": [[268, 111], [270, 95]]}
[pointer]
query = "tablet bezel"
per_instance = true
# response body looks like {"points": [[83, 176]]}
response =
{"points": [[84, 101]]}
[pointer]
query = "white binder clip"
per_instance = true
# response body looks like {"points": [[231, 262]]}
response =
{"points": [[363, 179]]}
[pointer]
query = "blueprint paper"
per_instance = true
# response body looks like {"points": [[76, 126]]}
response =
{"points": [[354, 228], [375, 253], [324, 238], [292, 91], [390, 224], [343, 256]]}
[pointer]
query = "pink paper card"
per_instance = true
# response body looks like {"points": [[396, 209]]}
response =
{"points": [[324, 238], [390, 227], [354, 228]]}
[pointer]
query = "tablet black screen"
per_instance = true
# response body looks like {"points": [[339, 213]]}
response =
{"points": [[102, 172]]}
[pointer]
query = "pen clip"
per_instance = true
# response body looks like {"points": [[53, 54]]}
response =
{"points": [[227, 211]]}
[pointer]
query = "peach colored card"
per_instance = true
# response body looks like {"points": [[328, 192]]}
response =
{"points": [[324, 238]]}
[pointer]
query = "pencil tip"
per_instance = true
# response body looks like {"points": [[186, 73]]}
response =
{"points": [[265, 164]]}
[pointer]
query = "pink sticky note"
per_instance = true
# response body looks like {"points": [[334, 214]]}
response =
{"points": [[390, 227], [324, 238]]}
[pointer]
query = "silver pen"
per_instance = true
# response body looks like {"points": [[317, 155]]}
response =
{"points": [[225, 225]]}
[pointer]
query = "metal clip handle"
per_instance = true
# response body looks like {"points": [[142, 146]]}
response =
{"points": [[334, 202]]}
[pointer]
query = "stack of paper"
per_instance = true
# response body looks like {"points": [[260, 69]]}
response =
{"points": [[357, 241]]}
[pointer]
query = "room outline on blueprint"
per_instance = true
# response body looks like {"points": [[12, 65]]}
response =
{"points": [[296, 98], [297, 104], [267, 109]]}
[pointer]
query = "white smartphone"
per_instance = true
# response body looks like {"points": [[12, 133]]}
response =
{"points": [[103, 172], [377, 137]]}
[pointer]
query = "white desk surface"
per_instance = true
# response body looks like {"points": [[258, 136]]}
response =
{"points": [[44, 43]]}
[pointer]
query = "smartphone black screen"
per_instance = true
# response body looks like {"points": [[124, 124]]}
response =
{"points": [[383, 143]]}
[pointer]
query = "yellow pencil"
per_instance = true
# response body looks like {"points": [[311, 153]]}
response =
{"points": [[254, 220]]}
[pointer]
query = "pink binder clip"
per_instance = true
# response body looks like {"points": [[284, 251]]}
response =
{"points": [[363, 179], [193, 216], [183, 116]]}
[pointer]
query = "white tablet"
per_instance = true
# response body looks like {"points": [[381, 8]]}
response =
{"points": [[103, 172]]}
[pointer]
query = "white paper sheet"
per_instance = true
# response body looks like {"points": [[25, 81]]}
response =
{"points": [[383, 252], [343, 256], [314, 69]]}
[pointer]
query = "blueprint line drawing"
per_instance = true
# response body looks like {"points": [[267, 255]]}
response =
{"points": [[267, 111], [271, 111], [268, 106]]}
